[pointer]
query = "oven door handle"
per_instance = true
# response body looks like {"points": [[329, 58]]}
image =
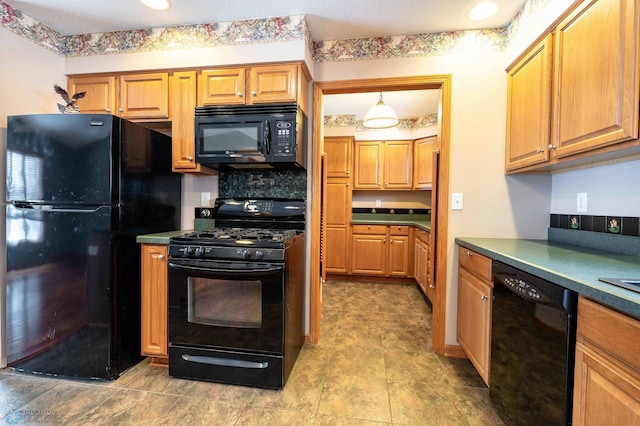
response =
{"points": [[226, 270]]}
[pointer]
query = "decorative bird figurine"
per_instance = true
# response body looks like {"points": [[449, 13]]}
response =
{"points": [[71, 106]]}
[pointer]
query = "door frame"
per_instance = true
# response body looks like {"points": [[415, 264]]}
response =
{"points": [[441, 82]]}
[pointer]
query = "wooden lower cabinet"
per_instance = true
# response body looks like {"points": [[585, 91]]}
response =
{"points": [[380, 250], [607, 371], [154, 307], [421, 263], [475, 291]]}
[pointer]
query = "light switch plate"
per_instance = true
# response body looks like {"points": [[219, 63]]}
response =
{"points": [[456, 201]]}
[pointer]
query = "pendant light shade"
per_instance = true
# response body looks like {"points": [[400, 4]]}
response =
{"points": [[381, 116], [157, 4]]}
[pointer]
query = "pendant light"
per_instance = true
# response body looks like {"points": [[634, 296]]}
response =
{"points": [[381, 116], [157, 4]]}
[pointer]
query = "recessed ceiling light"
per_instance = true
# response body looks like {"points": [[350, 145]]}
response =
{"points": [[484, 10], [157, 4]]}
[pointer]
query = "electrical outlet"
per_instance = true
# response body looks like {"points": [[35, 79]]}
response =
{"points": [[205, 199], [456, 201], [378, 203], [581, 202]]}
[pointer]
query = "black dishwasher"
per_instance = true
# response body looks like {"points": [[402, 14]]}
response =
{"points": [[533, 337]]}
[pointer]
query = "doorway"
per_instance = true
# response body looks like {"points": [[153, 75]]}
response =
{"points": [[438, 82]]}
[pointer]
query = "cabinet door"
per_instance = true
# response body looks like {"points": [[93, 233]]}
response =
{"points": [[474, 320], [338, 156], [596, 76], [100, 97], [144, 96], [153, 292], [417, 263], [369, 254], [273, 83], [398, 256], [336, 250], [225, 86], [338, 205], [398, 165], [368, 165], [529, 107], [423, 163]]}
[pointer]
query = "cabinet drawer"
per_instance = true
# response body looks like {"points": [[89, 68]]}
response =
{"points": [[398, 230], [370, 229], [475, 263], [615, 333], [422, 235]]}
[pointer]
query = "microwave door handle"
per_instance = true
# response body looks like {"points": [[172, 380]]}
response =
{"points": [[267, 136]]}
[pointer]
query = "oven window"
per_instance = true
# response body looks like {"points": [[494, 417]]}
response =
{"points": [[226, 303]]}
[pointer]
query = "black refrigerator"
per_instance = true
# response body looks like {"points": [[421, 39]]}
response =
{"points": [[80, 188]]}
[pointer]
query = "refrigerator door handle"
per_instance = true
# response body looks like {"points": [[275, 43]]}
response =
{"points": [[49, 208]]}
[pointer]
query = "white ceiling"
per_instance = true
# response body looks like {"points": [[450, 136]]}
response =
{"points": [[327, 20]]}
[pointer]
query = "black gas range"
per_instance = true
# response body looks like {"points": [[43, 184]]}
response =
{"points": [[236, 294]]}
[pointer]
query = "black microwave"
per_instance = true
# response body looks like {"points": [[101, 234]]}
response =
{"points": [[251, 136]]}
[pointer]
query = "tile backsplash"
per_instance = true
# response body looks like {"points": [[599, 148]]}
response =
{"points": [[263, 183], [615, 224]]}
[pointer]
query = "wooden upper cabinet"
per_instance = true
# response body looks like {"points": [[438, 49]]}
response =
{"points": [[596, 76], [250, 85], [101, 93], [529, 107], [131, 96], [338, 156], [274, 83], [398, 165], [182, 102], [368, 159], [383, 165], [144, 96], [225, 86], [423, 162]]}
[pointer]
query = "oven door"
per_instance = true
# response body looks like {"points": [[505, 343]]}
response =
{"points": [[226, 305]]}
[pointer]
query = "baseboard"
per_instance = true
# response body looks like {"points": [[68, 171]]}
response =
{"points": [[454, 351]]}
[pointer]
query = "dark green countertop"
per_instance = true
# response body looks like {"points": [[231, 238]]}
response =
{"points": [[574, 267], [421, 221], [161, 237]]}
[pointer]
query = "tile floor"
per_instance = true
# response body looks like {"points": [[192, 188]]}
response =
{"points": [[374, 366]]}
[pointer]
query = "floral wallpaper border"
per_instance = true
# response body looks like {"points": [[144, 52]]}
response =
{"points": [[620, 225], [266, 30]]}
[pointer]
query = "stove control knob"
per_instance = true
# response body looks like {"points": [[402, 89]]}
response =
{"points": [[198, 251], [188, 251], [259, 254], [246, 254]]}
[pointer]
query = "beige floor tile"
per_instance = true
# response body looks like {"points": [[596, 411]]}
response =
{"points": [[424, 403], [201, 411], [358, 397]]}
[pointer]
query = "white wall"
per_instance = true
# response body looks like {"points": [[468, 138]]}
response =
{"points": [[612, 190], [28, 73], [494, 205]]}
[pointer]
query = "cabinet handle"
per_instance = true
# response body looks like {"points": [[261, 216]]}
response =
{"points": [[120, 109], [108, 110], [189, 158], [161, 257], [469, 253], [239, 94], [254, 93], [384, 241], [540, 150], [348, 184], [483, 297], [551, 146], [348, 173], [432, 286]]}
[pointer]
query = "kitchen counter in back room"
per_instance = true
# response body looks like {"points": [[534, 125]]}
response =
{"points": [[422, 221], [571, 266]]}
